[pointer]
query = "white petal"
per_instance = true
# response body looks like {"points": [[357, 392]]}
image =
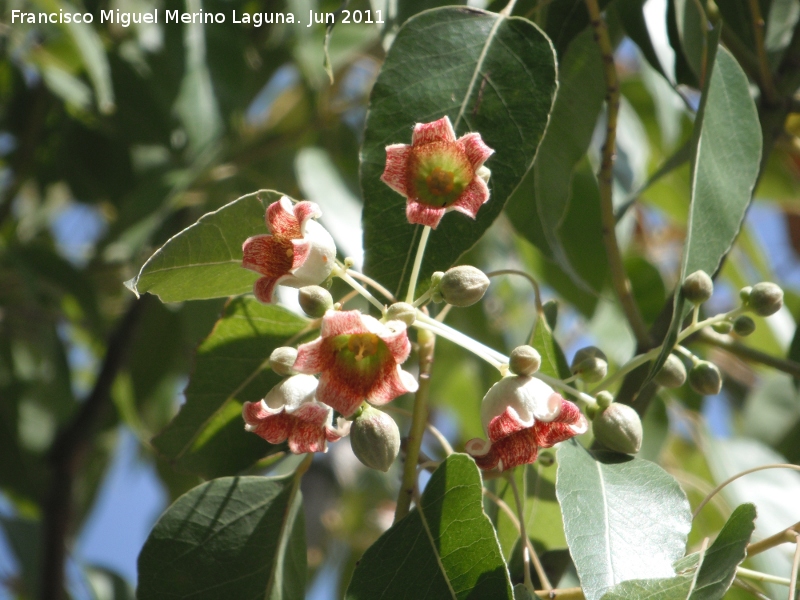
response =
{"points": [[291, 393], [321, 258], [531, 398]]}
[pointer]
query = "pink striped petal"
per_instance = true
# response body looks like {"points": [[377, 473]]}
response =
{"points": [[267, 255], [313, 358], [343, 322], [483, 453], [396, 339], [301, 249], [281, 220], [476, 150], [307, 437], [395, 175], [472, 198], [314, 413], [263, 288], [569, 423], [517, 449], [305, 210], [341, 395], [422, 214], [274, 428], [396, 383], [505, 424], [437, 131]]}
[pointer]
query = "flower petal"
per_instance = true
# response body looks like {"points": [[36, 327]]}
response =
{"points": [[475, 195], [422, 214], [305, 210], [397, 383], [437, 131], [395, 175], [505, 424], [482, 452], [343, 322], [339, 393], [569, 423], [275, 428], [263, 288], [307, 437], [395, 337], [321, 257], [312, 358], [476, 150], [281, 219], [314, 413], [267, 255], [517, 449]]}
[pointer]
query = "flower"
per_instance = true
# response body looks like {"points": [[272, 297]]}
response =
{"points": [[359, 359], [520, 415], [290, 412], [438, 173], [299, 252]]}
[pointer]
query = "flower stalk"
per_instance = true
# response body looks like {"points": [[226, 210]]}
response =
{"points": [[412, 283]]}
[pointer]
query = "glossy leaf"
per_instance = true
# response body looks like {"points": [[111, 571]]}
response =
{"points": [[668, 588], [488, 73], [205, 259], [235, 537], [448, 549], [624, 518], [724, 171], [207, 436]]}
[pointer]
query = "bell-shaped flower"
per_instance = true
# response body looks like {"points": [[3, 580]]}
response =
{"points": [[438, 173], [290, 412], [358, 359], [521, 414], [298, 252]]}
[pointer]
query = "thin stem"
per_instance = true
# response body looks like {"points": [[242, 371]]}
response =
{"points": [[716, 490], [782, 537], [448, 449], [443, 313], [345, 276], [369, 280], [795, 568], [759, 576], [526, 555], [619, 278], [741, 583], [560, 385], [536, 293], [419, 417], [575, 593], [412, 284], [787, 366], [424, 298], [506, 12], [764, 71], [493, 357]]}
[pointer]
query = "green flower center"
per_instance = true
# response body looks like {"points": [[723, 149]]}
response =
{"points": [[363, 345], [438, 173], [360, 356]]}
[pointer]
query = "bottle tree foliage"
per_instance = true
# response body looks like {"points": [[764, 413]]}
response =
{"points": [[635, 143]]}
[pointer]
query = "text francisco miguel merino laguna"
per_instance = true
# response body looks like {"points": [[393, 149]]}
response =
{"points": [[176, 16]]}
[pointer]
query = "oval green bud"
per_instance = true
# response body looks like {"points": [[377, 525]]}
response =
{"points": [[590, 364], [722, 327], [744, 294], [402, 311], [315, 301], [705, 378], [672, 374], [765, 299], [282, 361], [618, 428], [524, 360], [604, 399], [375, 439], [591, 410], [744, 325], [463, 285], [697, 287], [546, 459]]}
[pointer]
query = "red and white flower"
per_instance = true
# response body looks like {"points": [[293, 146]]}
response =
{"points": [[290, 412], [438, 173], [299, 252], [358, 359], [520, 415]]}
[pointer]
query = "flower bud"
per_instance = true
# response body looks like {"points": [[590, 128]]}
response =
{"points": [[744, 325], [282, 361], [524, 360], [315, 301], [402, 311], [375, 439], [744, 294], [463, 285], [697, 287], [436, 279], [722, 327], [618, 428], [672, 374], [591, 411], [604, 399], [705, 378], [546, 459], [590, 364], [765, 299]]}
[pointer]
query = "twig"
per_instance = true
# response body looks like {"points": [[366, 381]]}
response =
{"points": [[720, 341], [619, 278], [369, 280], [759, 576], [575, 593], [70, 447], [795, 568], [536, 294], [765, 74], [782, 537], [716, 490]]}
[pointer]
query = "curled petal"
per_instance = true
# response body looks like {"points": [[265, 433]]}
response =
{"points": [[482, 452], [274, 427], [396, 172], [437, 131], [281, 220], [476, 150], [511, 451], [422, 214], [472, 198], [344, 322], [398, 383], [263, 289], [313, 358], [531, 399], [505, 424], [569, 423], [305, 210], [395, 336]]}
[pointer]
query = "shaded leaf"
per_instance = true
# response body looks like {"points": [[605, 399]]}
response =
{"points": [[446, 549], [490, 74], [631, 15], [235, 537], [565, 20], [207, 436], [693, 32], [205, 259], [624, 518], [724, 171]]}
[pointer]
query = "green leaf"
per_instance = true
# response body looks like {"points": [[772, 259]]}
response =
{"points": [[540, 205], [491, 74], [725, 554], [724, 171], [565, 20], [235, 537], [23, 537], [446, 549], [624, 518], [631, 15], [693, 33], [408, 8], [207, 436], [205, 259], [670, 588], [554, 363]]}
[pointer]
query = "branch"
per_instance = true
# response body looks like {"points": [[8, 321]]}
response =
{"points": [[619, 278], [720, 341], [764, 72], [68, 451]]}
